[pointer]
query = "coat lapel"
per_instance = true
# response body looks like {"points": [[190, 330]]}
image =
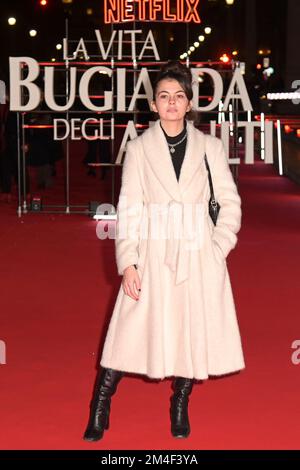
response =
{"points": [[158, 154]]}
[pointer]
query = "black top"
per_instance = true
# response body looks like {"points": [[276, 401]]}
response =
{"points": [[178, 156]]}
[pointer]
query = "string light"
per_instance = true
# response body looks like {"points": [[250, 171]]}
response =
{"points": [[200, 39]]}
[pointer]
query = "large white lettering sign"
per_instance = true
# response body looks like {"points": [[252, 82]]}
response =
{"points": [[24, 71]]}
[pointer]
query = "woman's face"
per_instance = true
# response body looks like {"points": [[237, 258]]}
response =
{"points": [[171, 102]]}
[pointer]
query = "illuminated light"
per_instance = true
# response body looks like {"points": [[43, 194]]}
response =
{"points": [[67, 1], [220, 112], [196, 44], [118, 11], [234, 52], [192, 48], [189, 52], [58, 46], [53, 59], [229, 2], [32, 33], [258, 66], [207, 30], [89, 11], [43, 3], [12, 21], [260, 52], [278, 126], [288, 129], [224, 58], [298, 133], [242, 67], [201, 38], [262, 135], [230, 119], [269, 51], [269, 71], [171, 38]]}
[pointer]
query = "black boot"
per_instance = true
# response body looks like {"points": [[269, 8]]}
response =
{"points": [[180, 426], [105, 386]]}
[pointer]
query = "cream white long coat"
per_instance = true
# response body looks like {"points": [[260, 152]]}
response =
{"points": [[184, 323]]}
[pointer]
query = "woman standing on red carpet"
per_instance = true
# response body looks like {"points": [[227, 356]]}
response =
{"points": [[174, 315]]}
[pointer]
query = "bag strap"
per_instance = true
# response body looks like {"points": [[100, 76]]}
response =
{"points": [[210, 180]]}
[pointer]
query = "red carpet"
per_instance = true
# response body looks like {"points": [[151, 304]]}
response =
{"points": [[58, 287]]}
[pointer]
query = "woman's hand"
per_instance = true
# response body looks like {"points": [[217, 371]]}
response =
{"points": [[131, 282]]}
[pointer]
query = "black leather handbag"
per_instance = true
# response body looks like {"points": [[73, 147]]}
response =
{"points": [[213, 205]]}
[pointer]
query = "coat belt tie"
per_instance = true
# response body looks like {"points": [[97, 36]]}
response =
{"points": [[178, 247], [178, 251], [175, 257]]}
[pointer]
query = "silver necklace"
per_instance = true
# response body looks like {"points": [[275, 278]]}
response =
{"points": [[171, 146]]}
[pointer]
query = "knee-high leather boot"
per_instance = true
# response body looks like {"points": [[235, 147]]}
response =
{"points": [[180, 426], [105, 386]]}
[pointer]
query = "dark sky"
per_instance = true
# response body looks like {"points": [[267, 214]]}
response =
{"points": [[228, 25]]}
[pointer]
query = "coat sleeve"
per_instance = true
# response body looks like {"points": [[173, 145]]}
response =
{"points": [[229, 218], [129, 211]]}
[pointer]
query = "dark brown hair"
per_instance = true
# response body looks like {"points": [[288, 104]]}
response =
{"points": [[175, 70]]}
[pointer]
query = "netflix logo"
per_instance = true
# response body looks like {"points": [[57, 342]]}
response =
{"points": [[119, 11]]}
